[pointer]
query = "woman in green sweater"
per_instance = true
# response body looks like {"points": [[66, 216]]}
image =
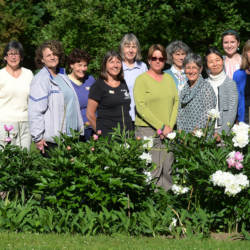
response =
{"points": [[156, 100]]}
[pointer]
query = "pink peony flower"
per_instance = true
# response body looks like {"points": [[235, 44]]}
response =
{"points": [[99, 132], [8, 128], [8, 139], [238, 165], [159, 132], [231, 162], [95, 137], [238, 156]]}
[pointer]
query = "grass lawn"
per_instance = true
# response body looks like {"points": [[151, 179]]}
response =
{"points": [[67, 241]]}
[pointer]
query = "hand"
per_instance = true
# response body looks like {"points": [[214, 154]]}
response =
{"points": [[217, 137], [165, 132], [40, 145]]}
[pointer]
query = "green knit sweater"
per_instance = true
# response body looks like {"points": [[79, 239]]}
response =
{"points": [[156, 102]]}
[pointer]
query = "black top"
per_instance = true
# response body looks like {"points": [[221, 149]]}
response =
{"points": [[247, 99], [113, 106]]}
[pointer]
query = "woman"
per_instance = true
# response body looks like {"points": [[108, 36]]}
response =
{"points": [[225, 91], [242, 79], [176, 53], [14, 90], [196, 98], [53, 103], [156, 100], [78, 61], [232, 60], [109, 96], [132, 66]]}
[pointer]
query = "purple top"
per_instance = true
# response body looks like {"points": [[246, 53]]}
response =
{"points": [[130, 74], [83, 93]]}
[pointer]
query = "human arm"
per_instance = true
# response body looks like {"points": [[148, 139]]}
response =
{"points": [[240, 78], [37, 106], [91, 112], [228, 105]]}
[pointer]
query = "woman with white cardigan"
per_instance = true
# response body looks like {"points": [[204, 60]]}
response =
{"points": [[225, 90]]}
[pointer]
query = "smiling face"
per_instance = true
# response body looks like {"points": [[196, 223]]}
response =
{"points": [[178, 58], [79, 69], [50, 60], [129, 52], [214, 64], [230, 45], [113, 67], [192, 72], [157, 61], [13, 58]]}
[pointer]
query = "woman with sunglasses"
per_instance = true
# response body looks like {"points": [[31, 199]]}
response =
{"points": [[156, 100], [15, 86]]}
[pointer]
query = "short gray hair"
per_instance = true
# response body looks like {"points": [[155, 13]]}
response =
{"points": [[195, 58], [127, 39], [176, 46]]}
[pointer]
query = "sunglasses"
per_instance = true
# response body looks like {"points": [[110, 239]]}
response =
{"points": [[154, 59]]}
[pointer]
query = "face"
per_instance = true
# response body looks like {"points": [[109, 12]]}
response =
{"points": [[157, 61], [79, 69], [214, 64], [130, 51], [230, 44], [49, 59], [113, 66], [192, 72], [13, 58], [178, 58]]}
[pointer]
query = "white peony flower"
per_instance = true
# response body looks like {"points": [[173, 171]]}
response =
{"points": [[213, 113], [233, 183], [198, 133], [147, 157], [149, 142], [172, 224], [231, 154], [242, 180], [241, 128], [177, 189], [171, 135], [240, 140], [232, 189], [149, 176]]}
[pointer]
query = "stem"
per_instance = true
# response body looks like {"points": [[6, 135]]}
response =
{"points": [[128, 207], [189, 202]]}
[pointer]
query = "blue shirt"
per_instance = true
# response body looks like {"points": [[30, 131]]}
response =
{"points": [[130, 74], [82, 92]]}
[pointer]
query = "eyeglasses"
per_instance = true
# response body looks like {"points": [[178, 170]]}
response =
{"points": [[13, 54], [154, 59]]}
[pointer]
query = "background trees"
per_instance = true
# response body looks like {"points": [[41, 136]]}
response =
{"points": [[97, 25]]}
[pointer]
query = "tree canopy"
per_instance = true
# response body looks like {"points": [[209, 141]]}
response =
{"points": [[97, 25]]}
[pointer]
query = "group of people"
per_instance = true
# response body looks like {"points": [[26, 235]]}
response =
{"points": [[128, 94]]}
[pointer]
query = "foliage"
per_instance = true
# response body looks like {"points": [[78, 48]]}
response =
{"points": [[98, 26], [197, 158], [21, 20], [19, 170]]}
